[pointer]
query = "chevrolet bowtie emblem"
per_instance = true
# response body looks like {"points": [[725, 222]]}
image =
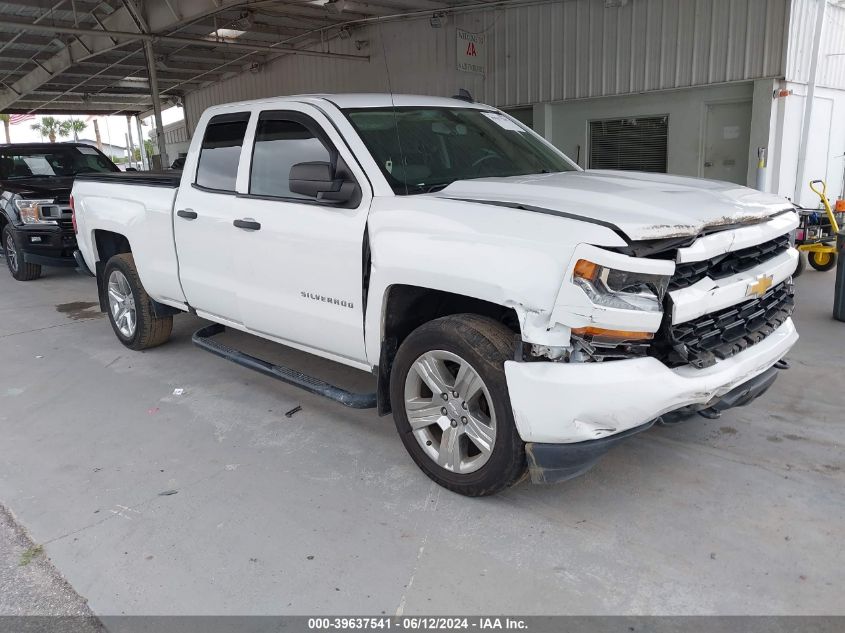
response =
{"points": [[759, 287]]}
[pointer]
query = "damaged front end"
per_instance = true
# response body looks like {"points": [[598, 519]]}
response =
{"points": [[668, 338]]}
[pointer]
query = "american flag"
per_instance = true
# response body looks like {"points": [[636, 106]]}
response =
{"points": [[20, 118]]}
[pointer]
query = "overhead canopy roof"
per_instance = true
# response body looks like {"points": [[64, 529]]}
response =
{"points": [[87, 56]]}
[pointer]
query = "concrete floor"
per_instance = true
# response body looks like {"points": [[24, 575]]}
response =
{"points": [[325, 513]]}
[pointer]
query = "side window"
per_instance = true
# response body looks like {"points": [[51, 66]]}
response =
{"points": [[279, 144], [221, 151]]}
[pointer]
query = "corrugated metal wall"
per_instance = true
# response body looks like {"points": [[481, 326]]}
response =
{"points": [[544, 52], [802, 25]]}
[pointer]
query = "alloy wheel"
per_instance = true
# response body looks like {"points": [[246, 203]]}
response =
{"points": [[122, 303], [450, 411], [11, 253]]}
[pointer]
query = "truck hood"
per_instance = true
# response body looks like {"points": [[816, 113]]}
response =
{"points": [[52, 187], [643, 206]]}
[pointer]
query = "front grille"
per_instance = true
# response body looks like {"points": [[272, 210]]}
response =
{"points": [[720, 335], [728, 264]]}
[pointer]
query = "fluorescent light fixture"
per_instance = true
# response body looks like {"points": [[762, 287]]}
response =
{"points": [[224, 34]]}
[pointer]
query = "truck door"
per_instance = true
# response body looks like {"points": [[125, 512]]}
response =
{"points": [[206, 208], [300, 273]]}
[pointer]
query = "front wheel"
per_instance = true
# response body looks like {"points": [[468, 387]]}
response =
{"points": [[130, 307], [451, 406], [802, 264], [821, 261], [20, 269]]}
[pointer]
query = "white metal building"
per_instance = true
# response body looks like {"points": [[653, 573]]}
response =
{"points": [[690, 86]]}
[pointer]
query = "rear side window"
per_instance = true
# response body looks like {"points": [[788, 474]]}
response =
{"points": [[221, 151], [279, 144]]}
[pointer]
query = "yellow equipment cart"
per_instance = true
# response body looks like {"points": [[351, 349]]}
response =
{"points": [[816, 235]]}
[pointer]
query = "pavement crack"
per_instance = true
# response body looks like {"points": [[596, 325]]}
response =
{"points": [[434, 491], [49, 327], [134, 507]]}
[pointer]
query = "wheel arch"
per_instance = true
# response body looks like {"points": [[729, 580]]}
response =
{"points": [[406, 307], [107, 245]]}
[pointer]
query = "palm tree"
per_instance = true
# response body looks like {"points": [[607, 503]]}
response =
{"points": [[5, 119], [51, 127], [77, 127]]}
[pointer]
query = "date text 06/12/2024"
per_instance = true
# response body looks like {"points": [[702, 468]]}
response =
{"points": [[417, 623]]}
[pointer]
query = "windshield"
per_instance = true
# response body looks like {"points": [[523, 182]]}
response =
{"points": [[422, 149], [54, 161]]}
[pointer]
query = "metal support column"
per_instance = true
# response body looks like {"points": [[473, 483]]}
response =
{"points": [[839, 288], [145, 160], [131, 140], [802, 179], [153, 76]]}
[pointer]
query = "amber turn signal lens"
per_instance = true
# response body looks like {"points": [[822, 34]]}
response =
{"points": [[586, 269], [620, 335]]}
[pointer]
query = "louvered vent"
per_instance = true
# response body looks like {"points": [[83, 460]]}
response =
{"points": [[635, 144]]}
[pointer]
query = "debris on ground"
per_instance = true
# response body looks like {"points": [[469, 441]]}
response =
{"points": [[167, 493], [178, 391], [30, 553], [291, 413]]}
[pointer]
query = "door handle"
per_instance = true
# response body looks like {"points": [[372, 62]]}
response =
{"points": [[247, 223], [188, 214], [708, 163]]}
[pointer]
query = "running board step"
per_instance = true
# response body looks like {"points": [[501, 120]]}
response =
{"points": [[202, 339]]}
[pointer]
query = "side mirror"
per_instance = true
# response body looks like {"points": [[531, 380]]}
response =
{"points": [[318, 180]]}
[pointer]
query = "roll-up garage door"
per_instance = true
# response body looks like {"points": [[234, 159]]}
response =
{"points": [[634, 143]]}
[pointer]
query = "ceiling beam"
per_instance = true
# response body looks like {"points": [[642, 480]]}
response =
{"points": [[130, 36], [46, 5], [160, 20]]}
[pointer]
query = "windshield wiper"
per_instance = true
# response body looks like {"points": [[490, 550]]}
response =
{"points": [[424, 188]]}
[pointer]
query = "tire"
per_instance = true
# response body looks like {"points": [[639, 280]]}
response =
{"points": [[802, 265], [141, 330], [821, 261], [19, 269], [470, 343]]}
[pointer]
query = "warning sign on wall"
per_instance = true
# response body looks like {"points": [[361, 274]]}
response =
{"points": [[472, 57]]}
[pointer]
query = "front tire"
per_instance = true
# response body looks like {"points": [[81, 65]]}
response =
{"points": [[821, 261], [451, 406], [20, 269], [802, 264], [130, 307]]}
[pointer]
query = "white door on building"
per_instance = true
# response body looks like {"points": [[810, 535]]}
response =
{"points": [[727, 135]]}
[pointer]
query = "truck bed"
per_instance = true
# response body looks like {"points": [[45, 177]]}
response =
{"points": [[169, 179]]}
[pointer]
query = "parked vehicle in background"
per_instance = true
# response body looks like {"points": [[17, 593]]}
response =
{"points": [[35, 217], [515, 310]]}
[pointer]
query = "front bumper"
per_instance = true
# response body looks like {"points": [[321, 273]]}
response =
{"points": [[47, 245], [567, 403], [550, 463]]}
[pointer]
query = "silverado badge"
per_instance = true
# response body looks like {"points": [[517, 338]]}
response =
{"points": [[760, 286]]}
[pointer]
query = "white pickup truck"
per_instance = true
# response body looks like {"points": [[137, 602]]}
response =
{"points": [[517, 312]]}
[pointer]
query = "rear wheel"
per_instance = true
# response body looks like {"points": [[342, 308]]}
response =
{"points": [[20, 269], [451, 406], [130, 307], [821, 261]]}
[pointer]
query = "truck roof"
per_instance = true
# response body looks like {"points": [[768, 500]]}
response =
{"points": [[361, 100], [42, 145]]}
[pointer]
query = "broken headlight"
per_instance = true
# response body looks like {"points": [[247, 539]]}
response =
{"points": [[620, 289]]}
